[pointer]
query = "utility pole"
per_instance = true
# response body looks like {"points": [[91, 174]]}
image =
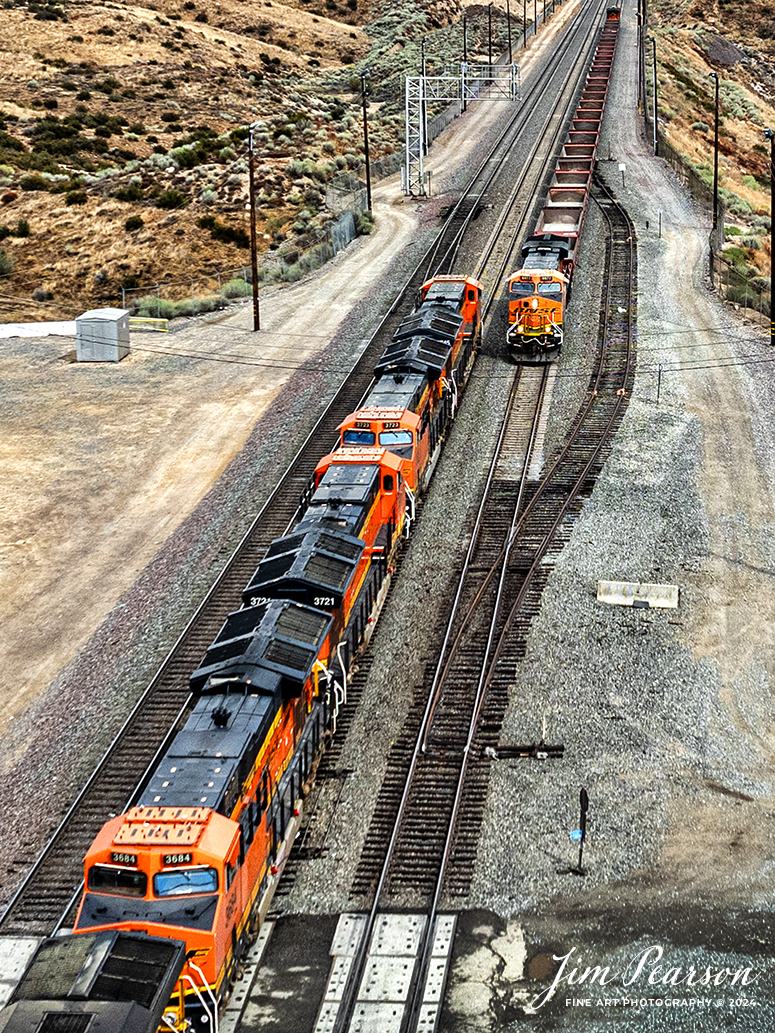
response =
{"points": [[770, 135], [489, 37], [465, 59], [253, 242], [423, 102], [508, 26], [655, 134], [714, 231], [524, 24], [364, 73]]}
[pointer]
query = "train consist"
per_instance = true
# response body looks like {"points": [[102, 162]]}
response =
{"points": [[539, 292], [195, 861]]}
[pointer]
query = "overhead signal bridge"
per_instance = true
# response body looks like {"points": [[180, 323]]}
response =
{"points": [[471, 83]]}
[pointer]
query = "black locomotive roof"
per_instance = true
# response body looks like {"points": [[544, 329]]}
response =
{"points": [[399, 391], [547, 243], [432, 319], [454, 291], [212, 755], [416, 355], [264, 649], [348, 482], [313, 565], [106, 982]]}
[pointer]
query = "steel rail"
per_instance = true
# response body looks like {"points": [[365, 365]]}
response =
{"points": [[348, 1003], [172, 661]]}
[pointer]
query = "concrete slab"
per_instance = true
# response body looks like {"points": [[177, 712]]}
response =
{"points": [[397, 935], [377, 1018], [633, 593], [386, 979], [349, 932], [15, 954]]}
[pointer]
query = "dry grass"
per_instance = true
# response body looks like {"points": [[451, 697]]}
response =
{"points": [[687, 54], [245, 61]]}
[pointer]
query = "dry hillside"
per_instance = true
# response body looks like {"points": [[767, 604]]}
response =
{"points": [[123, 129], [695, 38]]}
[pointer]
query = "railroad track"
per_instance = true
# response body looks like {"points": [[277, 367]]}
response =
{"points": [[424, 835], [47, 897]]}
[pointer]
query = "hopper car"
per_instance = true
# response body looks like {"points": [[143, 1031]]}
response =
{"points": [[539, 292], [194, 862]]}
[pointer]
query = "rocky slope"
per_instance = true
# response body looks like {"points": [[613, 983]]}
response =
{"points": [[123, 130]]}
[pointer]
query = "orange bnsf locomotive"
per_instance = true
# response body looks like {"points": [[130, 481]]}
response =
{"points": [[195, 862], [539, 292]]}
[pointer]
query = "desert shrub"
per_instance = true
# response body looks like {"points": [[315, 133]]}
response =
{"points": [[76, 197], [236, 289], [751, 241], [172, 198], [22, 228], [736, 256], [732, 231], [160, 159], [736, 205], [185, 157], [33, 182], [760, 222], [153, 307], [133, 192], [4, 232], [201, 17], [6, 264], [41, 294], [701, 127], [134, 222], [226, 234], [364, 223], [751, 182], [208, 196], [170, 116], [196, 306]]}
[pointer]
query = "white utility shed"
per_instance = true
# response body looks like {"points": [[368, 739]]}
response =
{"points": [[102, 335]]}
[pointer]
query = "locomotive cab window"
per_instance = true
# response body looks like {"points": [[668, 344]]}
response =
{"points": [[522, 289], [388, 483], [395, 437], [549, 288], [358, 437], [183, 882], [126, 882]]}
